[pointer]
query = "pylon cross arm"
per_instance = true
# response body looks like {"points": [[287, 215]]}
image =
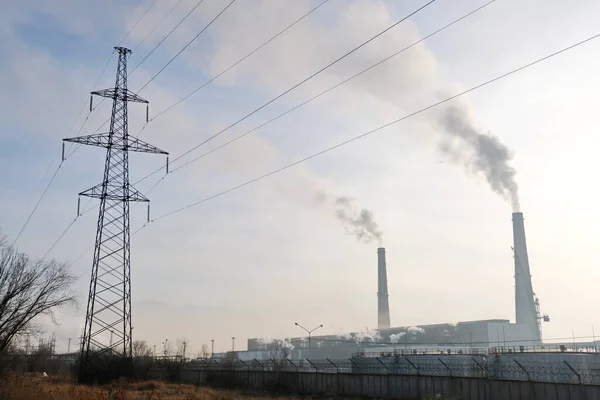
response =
{"points": [[117, 195], [110, 141], [121, 94]]}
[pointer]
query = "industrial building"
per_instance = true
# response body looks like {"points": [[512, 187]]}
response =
{"points": [[443, 337]]}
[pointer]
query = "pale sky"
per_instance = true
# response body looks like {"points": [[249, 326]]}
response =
{"points": [[254, 261]]}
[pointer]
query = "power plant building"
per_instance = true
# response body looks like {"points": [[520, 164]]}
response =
{"points": [[482, 334]]}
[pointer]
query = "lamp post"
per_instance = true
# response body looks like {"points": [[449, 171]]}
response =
{"points": [[233, 343], [309, 333], [212, 348]]}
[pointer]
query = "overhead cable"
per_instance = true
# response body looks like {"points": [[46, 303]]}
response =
{"points": [[365, 134]]}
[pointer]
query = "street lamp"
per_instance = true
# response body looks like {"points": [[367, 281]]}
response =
{"points": [[309, 333]]}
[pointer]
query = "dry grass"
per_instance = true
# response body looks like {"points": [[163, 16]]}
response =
{"points": [[60, 388], [36, 387]]}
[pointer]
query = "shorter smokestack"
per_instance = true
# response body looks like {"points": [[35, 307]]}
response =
{"points": [[383, 306]]}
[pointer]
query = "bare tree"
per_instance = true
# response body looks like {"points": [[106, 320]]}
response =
{"points": [[204, 352], [143, 359], [141, 349], [28, 289], [182, 348]]}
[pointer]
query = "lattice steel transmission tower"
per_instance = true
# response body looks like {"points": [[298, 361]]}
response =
{"points": [[109, 301]]}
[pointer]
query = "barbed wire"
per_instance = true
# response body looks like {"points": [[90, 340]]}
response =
{"points": [[501, 367]]}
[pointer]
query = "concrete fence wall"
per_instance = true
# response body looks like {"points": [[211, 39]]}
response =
{"points": [[391, 386]]}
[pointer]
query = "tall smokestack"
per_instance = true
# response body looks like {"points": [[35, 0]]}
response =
{"points": [[526, 312], [383, 306]]}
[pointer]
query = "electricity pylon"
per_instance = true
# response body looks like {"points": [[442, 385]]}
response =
{"points": [[109, 301]]}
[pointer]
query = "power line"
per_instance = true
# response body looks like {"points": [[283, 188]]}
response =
{"points": [[429, 107], [54, 159], [70, 153], [39, 185], [157, 25], [146, 57], [80, 129], [60, 237], [172, 59], [187, 45], [108, 61], [296, 85], [37, 204], [308, 78], [138, 21], [140, 63], [241, 59], [167, 35], [78, 133], [333, 87]]}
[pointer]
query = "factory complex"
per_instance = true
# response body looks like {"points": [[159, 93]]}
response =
{"points": [[449, 338]]}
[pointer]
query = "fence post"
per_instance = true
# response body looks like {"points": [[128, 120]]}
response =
{"points": [[293, 365], [485, 371], [245, 365], [311, 363], [355, 365], [387, 376], [445, 365], [247, 371], [337, 369], [574, 371], [337, 375], [418, 375], [275, 364], [382, 363], [257, 362], [412, 365], [524, 370]]}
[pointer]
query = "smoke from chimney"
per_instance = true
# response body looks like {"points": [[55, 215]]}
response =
{"points": [[358, 222], [478, 152]]}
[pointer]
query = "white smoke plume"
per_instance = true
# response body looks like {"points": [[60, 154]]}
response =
{"points": [[285, 344], [481, 153], [367, 335], [415, 329], [345, 336], [395, 337], [264, 341]]}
